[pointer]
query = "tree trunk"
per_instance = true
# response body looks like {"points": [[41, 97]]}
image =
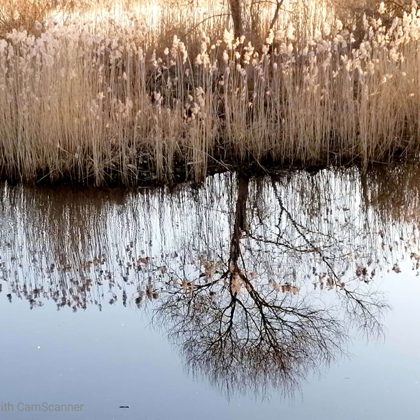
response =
{"points": [[240, 225], [235, 9]]}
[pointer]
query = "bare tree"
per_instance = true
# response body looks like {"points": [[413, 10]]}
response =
{"points": [[236, 11], [237, 16]]}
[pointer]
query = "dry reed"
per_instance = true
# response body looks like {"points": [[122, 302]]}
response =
{"points": [[97, 97]]}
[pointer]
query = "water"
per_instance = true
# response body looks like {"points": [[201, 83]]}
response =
{"points": [[295, 296]]}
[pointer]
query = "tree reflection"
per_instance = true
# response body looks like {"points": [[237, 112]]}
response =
{"points": [[243, 333]]}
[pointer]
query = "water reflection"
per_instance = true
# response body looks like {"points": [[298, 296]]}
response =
{"points": [[257, 281]]}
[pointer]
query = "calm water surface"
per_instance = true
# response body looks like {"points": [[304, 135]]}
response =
{"points": [[287, 297]]}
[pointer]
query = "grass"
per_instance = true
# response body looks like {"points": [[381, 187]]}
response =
{"points": [[133, 92]]}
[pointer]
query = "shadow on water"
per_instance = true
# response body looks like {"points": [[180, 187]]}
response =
{"points": [[256, 281]]}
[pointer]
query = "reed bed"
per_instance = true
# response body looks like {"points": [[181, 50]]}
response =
{"points": [[115, 96]]}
